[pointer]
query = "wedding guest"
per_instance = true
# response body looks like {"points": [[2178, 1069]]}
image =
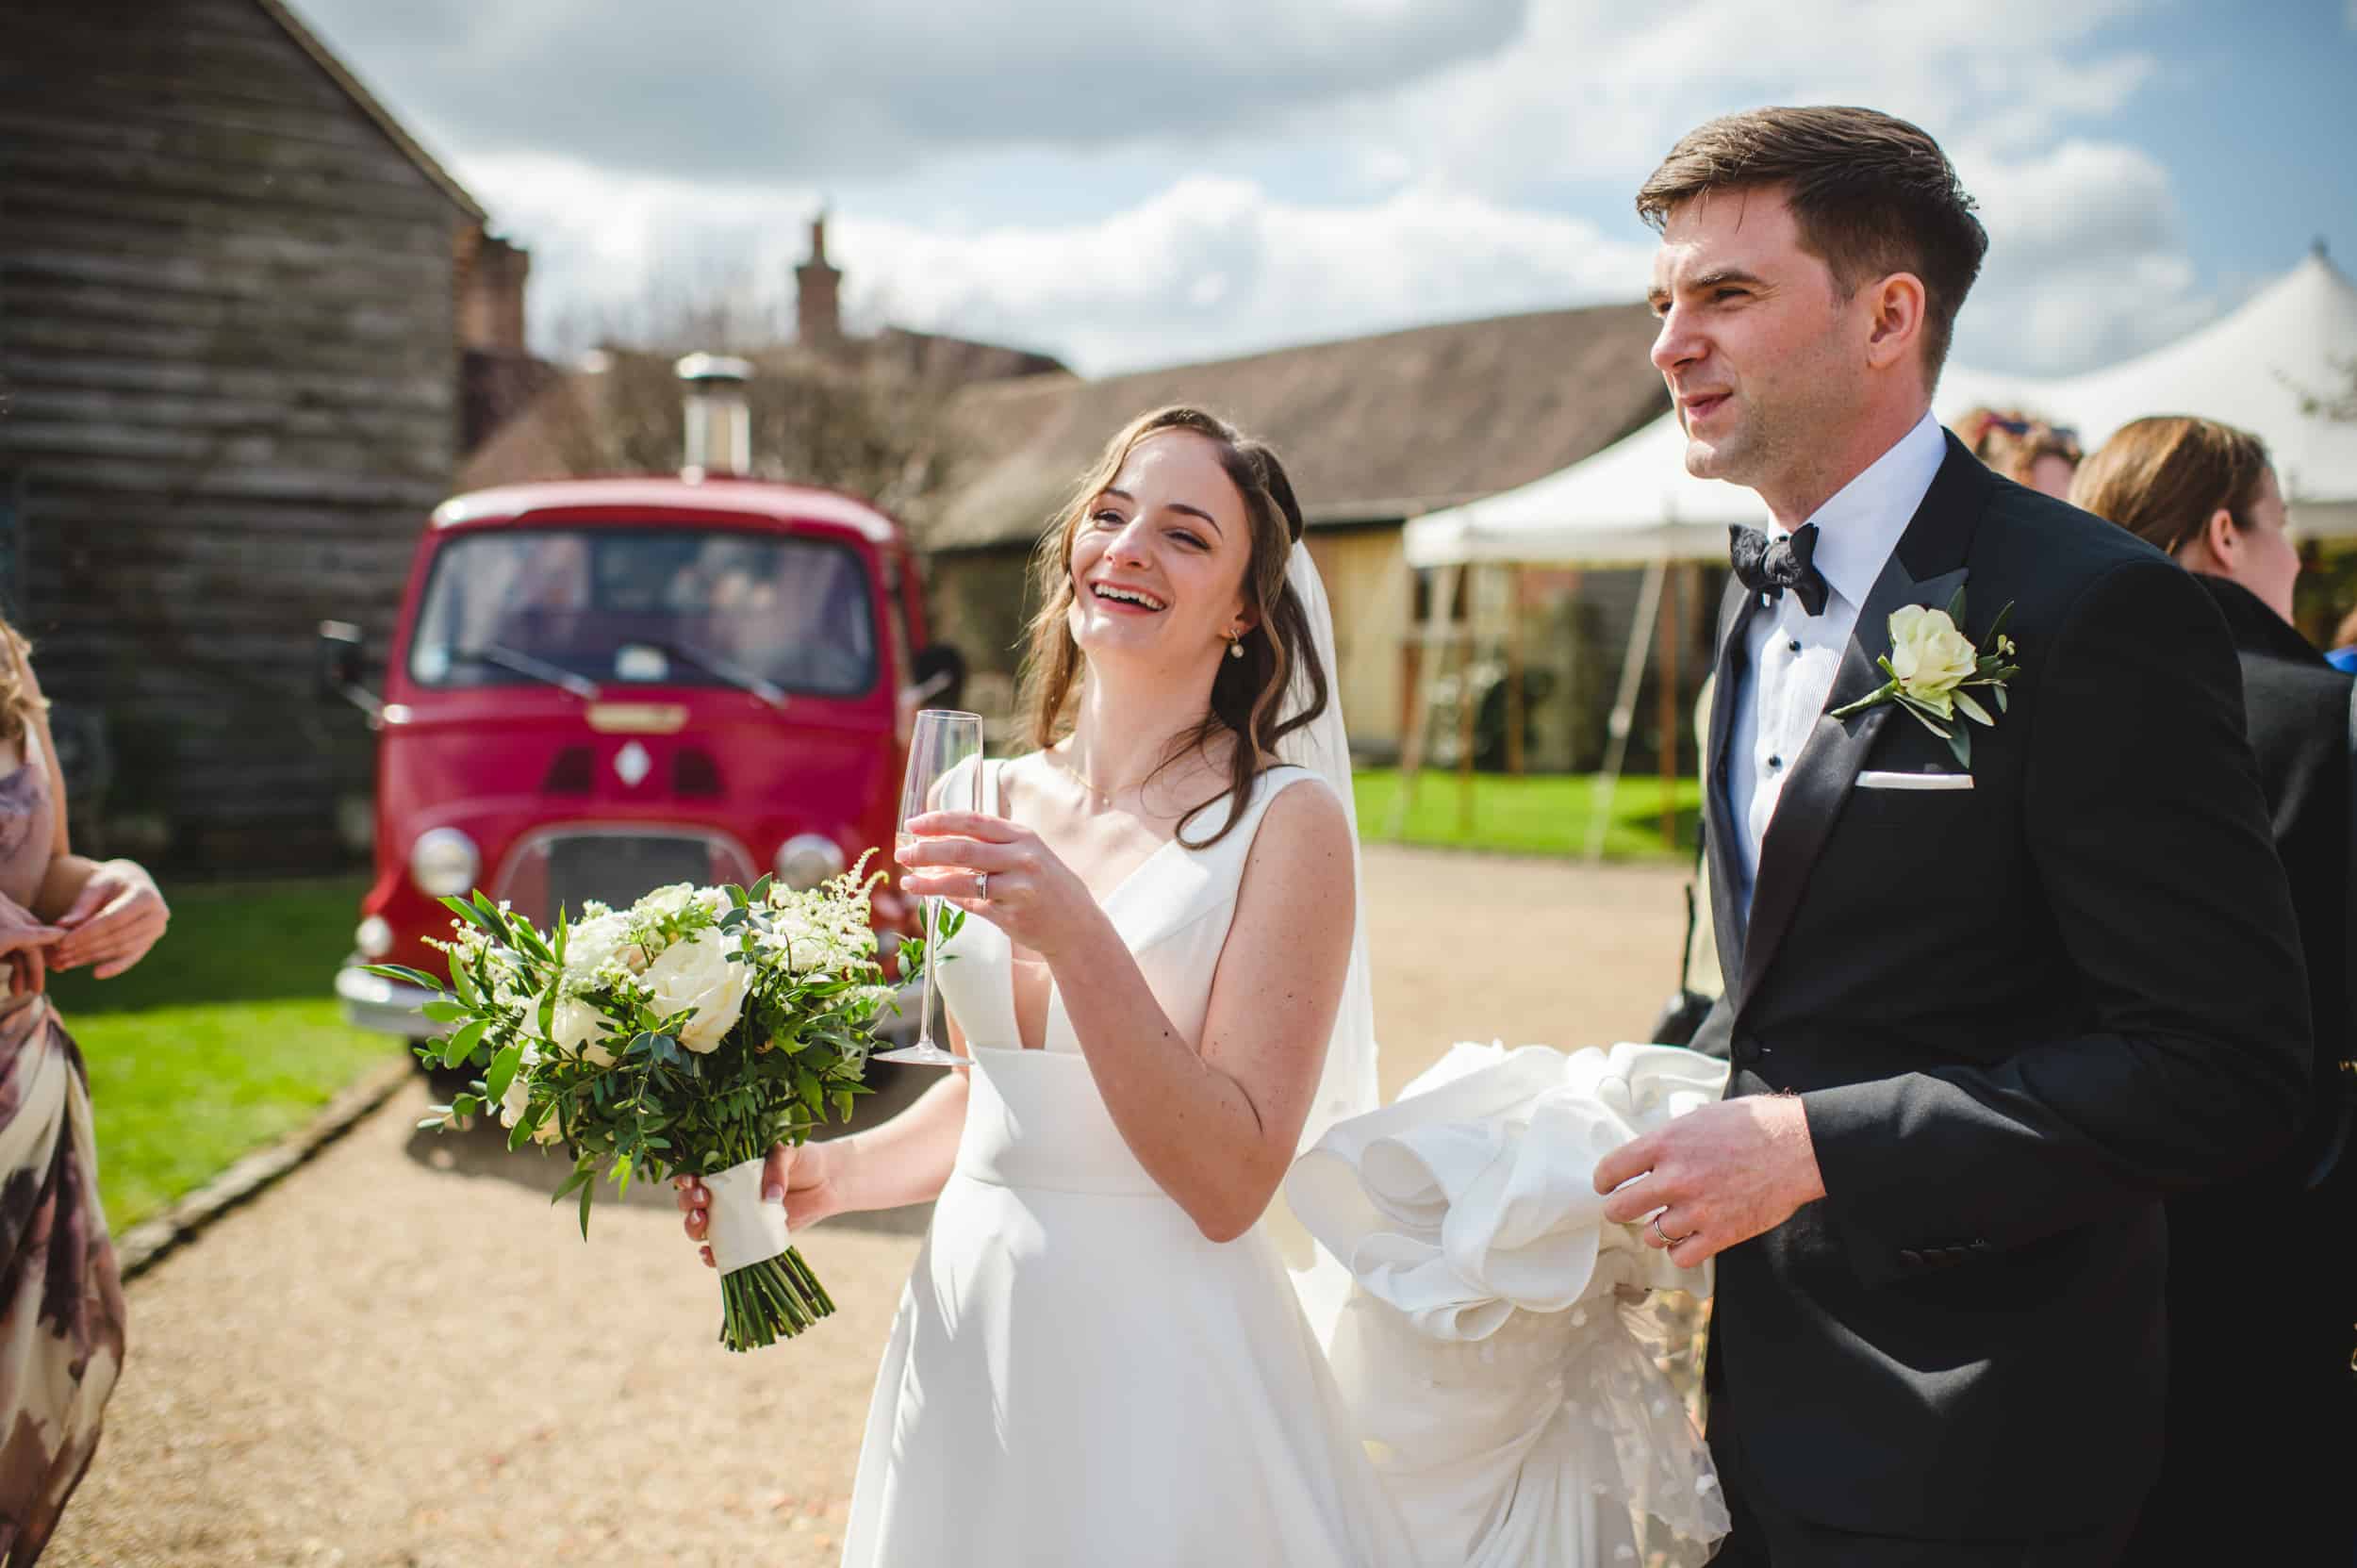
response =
{"points": [[2343, 653], [2258, 1359], [60, 1299], [2026, 450]]}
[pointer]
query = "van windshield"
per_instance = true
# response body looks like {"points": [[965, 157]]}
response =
{"points": [[672, 606]]}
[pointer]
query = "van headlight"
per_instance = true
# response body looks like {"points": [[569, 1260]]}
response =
{"points": [[808, 859], [374, 939], [444, 861]]}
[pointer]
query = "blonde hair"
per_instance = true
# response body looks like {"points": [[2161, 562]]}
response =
{"points": [[19, 706], [1248, 692]]}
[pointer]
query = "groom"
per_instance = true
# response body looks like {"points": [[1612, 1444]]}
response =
{"points": [[1991, 995]]}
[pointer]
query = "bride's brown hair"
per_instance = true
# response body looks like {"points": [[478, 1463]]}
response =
{"points": [[1247, 695]]}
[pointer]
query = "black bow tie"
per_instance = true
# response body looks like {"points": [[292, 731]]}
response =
{"points": [[1768, 569]]}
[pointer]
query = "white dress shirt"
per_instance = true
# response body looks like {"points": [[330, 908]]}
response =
{"points": [[1792, 656]]}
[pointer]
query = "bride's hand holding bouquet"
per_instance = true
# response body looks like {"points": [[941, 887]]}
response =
{"points": [[702, 1033]]}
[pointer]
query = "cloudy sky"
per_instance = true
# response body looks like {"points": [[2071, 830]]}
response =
{"points": [[1131, 182]]}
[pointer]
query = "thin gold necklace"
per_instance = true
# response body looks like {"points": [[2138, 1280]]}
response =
{"points": [[1102, 797]]}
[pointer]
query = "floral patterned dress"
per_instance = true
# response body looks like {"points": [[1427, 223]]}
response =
{"points": [[61, 1297]]}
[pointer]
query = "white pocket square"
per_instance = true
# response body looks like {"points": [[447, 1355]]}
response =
{"points": [[1870, 780]]}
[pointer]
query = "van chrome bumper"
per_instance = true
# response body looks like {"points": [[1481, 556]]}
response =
{"points": [[386, 1006]]}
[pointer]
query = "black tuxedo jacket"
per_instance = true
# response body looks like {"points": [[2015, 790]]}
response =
{"points": [[2018, 1015], [2285, 1366]]}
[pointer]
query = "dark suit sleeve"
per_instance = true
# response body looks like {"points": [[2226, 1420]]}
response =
{"points": [[2144, 821]]}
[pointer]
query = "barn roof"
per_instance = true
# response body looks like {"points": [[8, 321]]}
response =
{"points": [[1371, 429], [369, 104]]}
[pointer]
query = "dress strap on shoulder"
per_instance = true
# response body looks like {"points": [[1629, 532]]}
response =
{"points": [[1266, 787]]}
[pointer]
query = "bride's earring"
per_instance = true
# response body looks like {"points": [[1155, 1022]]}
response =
{"points": [[1235, 645]]}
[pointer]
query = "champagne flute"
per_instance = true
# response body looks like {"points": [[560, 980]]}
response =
{"points": [[945, 774]]}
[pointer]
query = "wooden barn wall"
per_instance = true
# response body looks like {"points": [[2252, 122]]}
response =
{"points": [[228, 358]]}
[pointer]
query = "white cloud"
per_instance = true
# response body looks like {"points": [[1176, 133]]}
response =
{"points": [[1210, 267], [1594, 91], [1203, 268], [607, 248], [1442, 147], [2086, 260], [736, 89], [2087, 255]]}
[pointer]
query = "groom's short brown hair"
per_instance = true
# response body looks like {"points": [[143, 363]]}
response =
{"points": [[1870, 194]]}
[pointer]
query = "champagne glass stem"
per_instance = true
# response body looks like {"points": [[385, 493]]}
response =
{"points": [[925, 1018]]}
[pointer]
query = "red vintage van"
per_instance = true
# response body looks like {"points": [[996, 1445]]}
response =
{"points": [[599, 686]]}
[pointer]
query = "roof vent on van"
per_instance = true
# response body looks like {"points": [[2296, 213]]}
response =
{"points": [[719, 424]]}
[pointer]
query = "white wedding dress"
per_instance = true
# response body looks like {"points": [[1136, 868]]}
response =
{"points": [[1077, 1376]]}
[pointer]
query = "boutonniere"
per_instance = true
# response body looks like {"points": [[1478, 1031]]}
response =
{"points": [[1934, 668]]}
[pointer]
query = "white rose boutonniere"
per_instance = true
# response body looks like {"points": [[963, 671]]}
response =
{"points": [[1934, 668]]}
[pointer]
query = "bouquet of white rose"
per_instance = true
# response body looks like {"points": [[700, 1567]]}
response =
{"points": [[686, 1033]]}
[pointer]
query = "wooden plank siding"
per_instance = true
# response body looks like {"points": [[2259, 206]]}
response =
{"points": [[1373, 593], [229, 384]]}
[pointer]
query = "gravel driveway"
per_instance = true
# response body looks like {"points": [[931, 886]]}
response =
{"points": [[403, 1355]]}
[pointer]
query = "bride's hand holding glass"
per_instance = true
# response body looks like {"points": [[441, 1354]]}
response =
{"points": [[1001, 872]]}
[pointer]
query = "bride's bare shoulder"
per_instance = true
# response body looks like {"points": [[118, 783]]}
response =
{"points": [[1304, 834]]}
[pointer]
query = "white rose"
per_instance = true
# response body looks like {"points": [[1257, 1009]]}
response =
{"points": [[677, 897], [579, 1025], [695, 972], [1928, 655], [667, 900], [516, 1101], [593, 944]]}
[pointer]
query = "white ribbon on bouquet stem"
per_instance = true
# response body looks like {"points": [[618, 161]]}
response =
{"points": [[741, 1228]]}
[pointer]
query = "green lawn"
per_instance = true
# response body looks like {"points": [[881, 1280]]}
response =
{"points": [[224, 1038], [1530, 815]]}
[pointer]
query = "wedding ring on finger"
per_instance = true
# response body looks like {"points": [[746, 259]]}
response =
{"points": [[1668, 1240], [981, 887]]}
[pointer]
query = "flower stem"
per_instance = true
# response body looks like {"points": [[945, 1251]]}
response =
{"points": [[776, 1298]]}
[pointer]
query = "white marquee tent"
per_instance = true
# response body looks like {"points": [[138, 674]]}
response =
{"points": [[2295, 338]]}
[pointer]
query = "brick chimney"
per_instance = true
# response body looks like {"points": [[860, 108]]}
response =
{"points": [[492, 297], [817, 302]]}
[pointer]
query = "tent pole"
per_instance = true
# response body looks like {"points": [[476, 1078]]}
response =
{"points": [[1624, 703], [1514, 714], [1428, 638], [1673, 593], [1465, 711]]}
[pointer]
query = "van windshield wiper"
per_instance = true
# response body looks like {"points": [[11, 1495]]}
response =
{"points": [[735, 675], [524, 664]]}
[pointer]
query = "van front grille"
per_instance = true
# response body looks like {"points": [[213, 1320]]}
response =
{"points": [[619, 870]]}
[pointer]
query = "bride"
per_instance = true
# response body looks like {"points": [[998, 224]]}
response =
{"points": [[1101, 1355]]}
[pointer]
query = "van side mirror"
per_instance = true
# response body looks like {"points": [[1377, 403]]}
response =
{"points": [[937, 677], [340, 649]]}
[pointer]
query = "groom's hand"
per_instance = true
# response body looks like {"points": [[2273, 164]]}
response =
{"points": [[1719, 1175]]}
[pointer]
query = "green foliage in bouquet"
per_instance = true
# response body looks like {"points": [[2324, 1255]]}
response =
{"points": [[684, 1035]]}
